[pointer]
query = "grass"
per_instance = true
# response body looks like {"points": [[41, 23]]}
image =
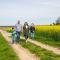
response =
{"points": [[6, 51], [40, 52], [10, 31]]}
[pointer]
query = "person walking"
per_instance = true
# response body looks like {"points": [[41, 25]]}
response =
{"points": [[18, 27], [32, 31], [13, 35], [26, 30]]}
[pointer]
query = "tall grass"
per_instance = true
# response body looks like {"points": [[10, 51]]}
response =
{"points": [[51, 34], [48, 34]]}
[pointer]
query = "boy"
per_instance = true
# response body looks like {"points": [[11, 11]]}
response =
{"points": [[14, 35]]}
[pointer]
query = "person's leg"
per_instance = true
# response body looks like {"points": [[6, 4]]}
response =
{"points": [[18, 37], [26, 36], [33, 34], [12, 39]]}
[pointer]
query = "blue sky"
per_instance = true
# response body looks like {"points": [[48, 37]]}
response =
{"points": [[37, 11]]}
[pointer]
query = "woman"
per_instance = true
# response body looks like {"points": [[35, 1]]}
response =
{"points": [[32, 31], [26, 30]]}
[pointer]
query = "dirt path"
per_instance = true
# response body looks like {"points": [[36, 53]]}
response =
{"points": [[21, 52], [45, 46], [50, 48]]}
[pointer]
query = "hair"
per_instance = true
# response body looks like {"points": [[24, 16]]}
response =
{"points": [[18, 21], [32, 24], [25, 24], [12, 28]]}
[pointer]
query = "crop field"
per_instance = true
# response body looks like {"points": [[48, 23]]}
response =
{"points": [[6, 28], [48, 34], [45, 34]]}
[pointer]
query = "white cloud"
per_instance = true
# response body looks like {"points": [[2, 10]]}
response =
{"points": [[32, 8]]}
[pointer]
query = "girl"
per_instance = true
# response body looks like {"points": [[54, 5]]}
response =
{"points": [[26, 30], [32, 31]]}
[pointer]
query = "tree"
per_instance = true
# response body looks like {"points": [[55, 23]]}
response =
{"points": [[58, 21], [54, 23]]}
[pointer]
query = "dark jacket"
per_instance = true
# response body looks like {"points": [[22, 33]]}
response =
{"points": [[32, 29], [25, 30]]}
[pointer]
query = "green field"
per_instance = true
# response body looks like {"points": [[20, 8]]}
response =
{"points": [[43, 54], [48, 34], [6, 51], [44, 37]]}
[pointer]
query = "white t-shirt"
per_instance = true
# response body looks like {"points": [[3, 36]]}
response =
{"points": [[18, 27], [26, 26]]}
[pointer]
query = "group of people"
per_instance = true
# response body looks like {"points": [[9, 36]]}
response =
{"points": [[26, 29]]}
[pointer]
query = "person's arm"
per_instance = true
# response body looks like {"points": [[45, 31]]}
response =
{"points": [[33, 29], [21, 28], [29, 28]]}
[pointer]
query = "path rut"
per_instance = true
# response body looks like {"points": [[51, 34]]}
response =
{"points": [[21, 52], [45, 46]]}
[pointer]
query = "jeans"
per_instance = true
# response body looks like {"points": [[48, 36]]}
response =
{"points": [[32, 35], [12, 39], [18, 36], [26, 35]]}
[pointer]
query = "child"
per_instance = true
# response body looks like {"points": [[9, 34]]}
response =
{"points": [[14, 35]]}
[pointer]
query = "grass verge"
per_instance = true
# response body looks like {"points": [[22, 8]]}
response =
{"points": [[40, 52], [48, 41], [6, 51], [45, 40]]}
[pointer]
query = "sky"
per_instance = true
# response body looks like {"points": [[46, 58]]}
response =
{"points": [[40, 12]]}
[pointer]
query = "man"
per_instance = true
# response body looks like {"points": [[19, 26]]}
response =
{"points": [[18, 30]]}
